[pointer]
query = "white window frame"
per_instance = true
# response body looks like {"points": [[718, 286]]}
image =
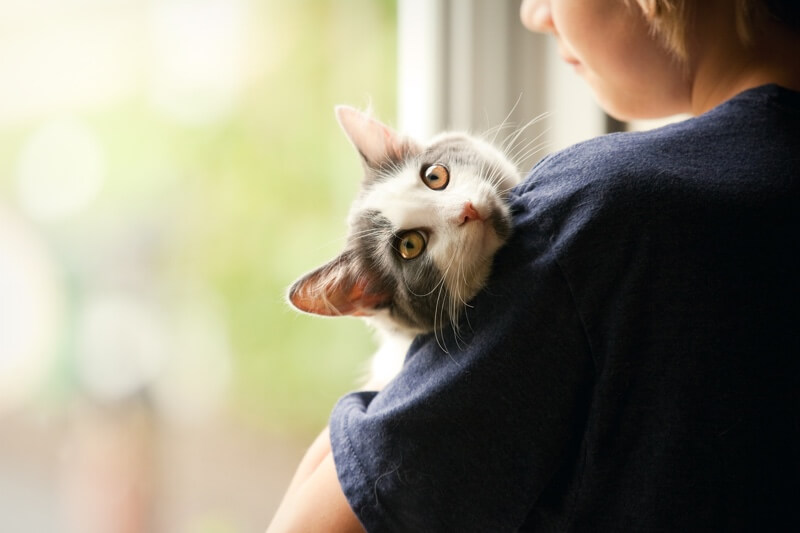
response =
{"points": [[470, 65]]}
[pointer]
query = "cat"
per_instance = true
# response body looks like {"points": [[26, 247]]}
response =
{"points": [[423, 232]]}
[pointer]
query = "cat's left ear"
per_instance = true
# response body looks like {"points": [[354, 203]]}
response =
{"points": [[376, 142], [339, 288]]}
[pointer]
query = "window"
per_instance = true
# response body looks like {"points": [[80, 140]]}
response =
{"points": [[470, 65]]}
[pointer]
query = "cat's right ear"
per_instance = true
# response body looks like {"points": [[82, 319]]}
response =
{"points": [[338, 288], [376, 142]]}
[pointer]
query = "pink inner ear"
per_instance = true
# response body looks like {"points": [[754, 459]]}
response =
{"points": [[361, 302], [328, 293]]}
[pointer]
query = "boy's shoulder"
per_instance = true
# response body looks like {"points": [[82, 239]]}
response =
{"points": [[747, 132], [614, 168], [737, 158], [628, 154]]}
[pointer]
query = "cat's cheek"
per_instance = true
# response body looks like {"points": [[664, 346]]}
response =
{"points": [[491, 243], [482, 240]]}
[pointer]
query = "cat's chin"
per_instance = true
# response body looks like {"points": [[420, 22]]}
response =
{"points": [[482, 238]]}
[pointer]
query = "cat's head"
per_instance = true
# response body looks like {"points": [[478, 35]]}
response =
{"points": [[423, 231]]}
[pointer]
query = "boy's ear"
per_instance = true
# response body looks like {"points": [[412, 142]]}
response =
{"points": [[376, 142], [337, 288]]}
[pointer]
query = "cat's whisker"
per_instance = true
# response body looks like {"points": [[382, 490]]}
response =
{"points": [[424, 295], [438, 314], [533, 150], [512, 146], [466, 316], [496, 176], [456, 316], [517, 150], [389, 169], [514, 136], [498, 173], [495, 131], [458, 300], [437, 329], [528, 150], [514, 154], [367, 233], [490, 135], [508, 116], [491, 174]]}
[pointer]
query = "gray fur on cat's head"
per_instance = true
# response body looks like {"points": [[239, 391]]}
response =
{"points": [[423, 230]]}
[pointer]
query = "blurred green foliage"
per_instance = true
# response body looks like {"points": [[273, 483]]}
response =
{"points": [[250, 202]]}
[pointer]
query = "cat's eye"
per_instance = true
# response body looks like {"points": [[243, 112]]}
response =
{"points": [[436, 177], [411, 244]]}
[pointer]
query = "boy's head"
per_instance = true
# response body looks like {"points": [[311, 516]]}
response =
{"points": [[610, 44], [644, 58], [670, 19]]}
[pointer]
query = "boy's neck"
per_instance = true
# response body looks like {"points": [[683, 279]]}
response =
{"points": [[724, 67]]}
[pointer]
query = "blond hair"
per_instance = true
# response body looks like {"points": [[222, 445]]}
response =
{"points": [[670, 20]]}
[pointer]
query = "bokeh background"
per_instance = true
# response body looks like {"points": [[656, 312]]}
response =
{"points": [[167, 169]]}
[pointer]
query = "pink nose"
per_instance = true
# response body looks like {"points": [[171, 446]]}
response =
{"points": [[469, 213]]}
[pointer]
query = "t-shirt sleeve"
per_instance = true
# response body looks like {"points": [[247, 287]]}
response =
{"points": [[474, 428]]}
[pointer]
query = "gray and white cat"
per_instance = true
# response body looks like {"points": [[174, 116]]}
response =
{"points": [[424, 230]]}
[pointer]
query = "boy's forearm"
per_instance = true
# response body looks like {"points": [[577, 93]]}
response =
{"points": [[314, 500], [310, 461]]}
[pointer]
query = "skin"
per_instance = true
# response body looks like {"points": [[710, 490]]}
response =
{"points": [[314, 500], [609, 45], [632, 75]]}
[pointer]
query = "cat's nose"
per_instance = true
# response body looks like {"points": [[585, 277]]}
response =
{"points": [[469, 213]]}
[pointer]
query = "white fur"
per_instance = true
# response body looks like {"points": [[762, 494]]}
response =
{"points": [[408, 204], [462, 252], [387, 362]]}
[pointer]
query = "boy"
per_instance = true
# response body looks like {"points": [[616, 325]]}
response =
{"points": [[634, 364]]}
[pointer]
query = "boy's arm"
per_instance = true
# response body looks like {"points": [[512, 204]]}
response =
{"points": [[314, 500]]}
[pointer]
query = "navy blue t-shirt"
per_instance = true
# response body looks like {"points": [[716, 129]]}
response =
{"points": [[632, 364]]}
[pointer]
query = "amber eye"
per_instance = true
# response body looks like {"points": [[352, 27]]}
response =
{"points": [[436, 177], [411, 244]]}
